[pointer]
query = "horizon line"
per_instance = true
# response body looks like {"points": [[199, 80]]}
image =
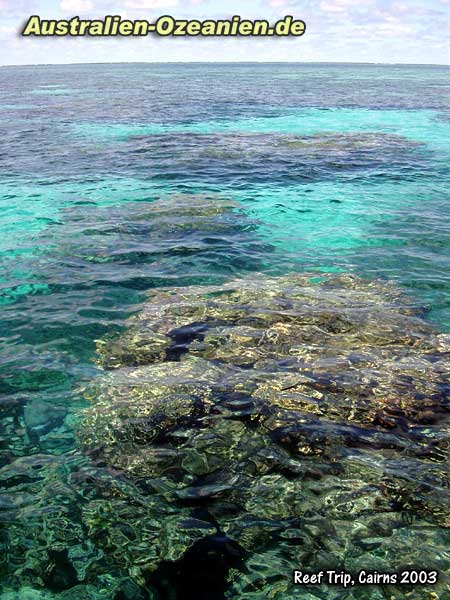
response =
{"points": [[229, 62]]}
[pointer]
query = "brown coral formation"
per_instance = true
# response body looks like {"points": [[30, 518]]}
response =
{"points": [[302, 419]]}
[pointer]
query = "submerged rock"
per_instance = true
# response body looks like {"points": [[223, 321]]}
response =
{"points": [[304, 418], [40, 418], [345, 143]]}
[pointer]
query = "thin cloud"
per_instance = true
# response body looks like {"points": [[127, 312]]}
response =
{"points": [[76, 6], [340, 6], [150, 4]]}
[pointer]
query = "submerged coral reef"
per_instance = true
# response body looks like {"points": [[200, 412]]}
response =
{"points": [[286, 422], [241, 431]]}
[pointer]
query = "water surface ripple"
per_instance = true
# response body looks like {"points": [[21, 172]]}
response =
{"points": [[116, 180]]}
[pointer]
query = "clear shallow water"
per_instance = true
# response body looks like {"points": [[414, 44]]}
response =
{"points": [[334, 169]]}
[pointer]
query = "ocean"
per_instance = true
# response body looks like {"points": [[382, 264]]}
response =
{"points": [[118, 181]]}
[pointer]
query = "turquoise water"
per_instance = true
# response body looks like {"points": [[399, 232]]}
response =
{"points": [[333, 168], [419, 125]]}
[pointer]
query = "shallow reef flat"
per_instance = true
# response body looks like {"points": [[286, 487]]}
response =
{"points": [[201, 235], [271, 156], [274, 423]]}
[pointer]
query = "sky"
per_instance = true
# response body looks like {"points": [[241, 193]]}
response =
{"points": [[380, 31]]}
